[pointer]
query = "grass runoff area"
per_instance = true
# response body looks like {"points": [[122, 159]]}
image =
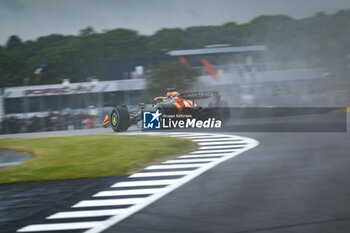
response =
{"points": [[72, 157]]}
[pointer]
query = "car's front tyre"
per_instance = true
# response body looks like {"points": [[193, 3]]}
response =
{"points": [[120, 119]]}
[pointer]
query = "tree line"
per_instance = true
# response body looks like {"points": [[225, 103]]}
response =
{"points": [[52, 58]]}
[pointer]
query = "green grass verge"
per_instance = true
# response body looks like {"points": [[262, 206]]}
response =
{"points": [[73, 157]]}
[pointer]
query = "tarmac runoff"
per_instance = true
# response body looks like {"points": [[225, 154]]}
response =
{"points": [[9, 158]]}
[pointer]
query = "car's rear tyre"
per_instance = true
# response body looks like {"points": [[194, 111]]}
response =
{"points": [[120, 119]]}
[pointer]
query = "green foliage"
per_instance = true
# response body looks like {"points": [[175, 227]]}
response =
{"points": [[322, 37], [168, 38], [10, 74], [169, 75], [13, 42], [87, 31]]}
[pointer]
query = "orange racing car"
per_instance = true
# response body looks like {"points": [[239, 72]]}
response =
{"points": [[172, 103]]}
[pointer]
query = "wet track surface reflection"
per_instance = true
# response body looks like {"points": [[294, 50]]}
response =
{"points": [[23, 203]]}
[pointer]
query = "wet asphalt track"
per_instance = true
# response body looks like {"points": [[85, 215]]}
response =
{"points": [[291, 182]]}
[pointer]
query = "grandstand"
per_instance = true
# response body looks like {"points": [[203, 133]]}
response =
{"points": [[90, 98]]}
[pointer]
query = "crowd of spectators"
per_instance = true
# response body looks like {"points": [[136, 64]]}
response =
{"points": [[53, 121]]}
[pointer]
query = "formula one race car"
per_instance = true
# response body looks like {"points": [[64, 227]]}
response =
{"points": [[173, 103]]}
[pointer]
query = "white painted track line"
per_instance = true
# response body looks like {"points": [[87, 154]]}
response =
{"points": [[217, 139], [205, 137], [221, 143], [144, 183], [155, 174], [59, 226], [221, 147], [189, 160], [108, 202], [155, 167], [86, 213], [215, 151], [203, 156], [126, 192], [183, 134], [251, 143]]}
